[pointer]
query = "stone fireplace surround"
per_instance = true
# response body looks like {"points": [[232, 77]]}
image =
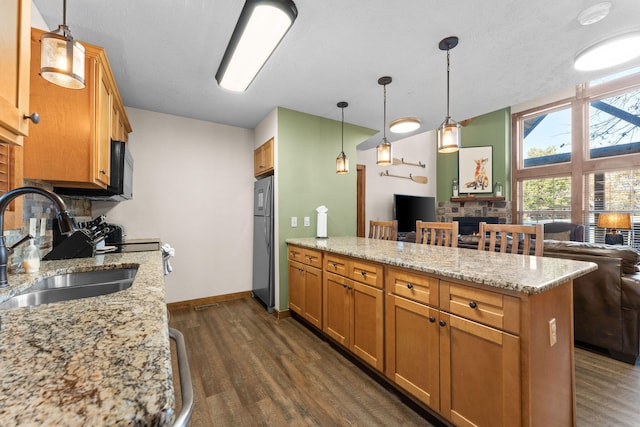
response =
{"points": [[475, 211]]}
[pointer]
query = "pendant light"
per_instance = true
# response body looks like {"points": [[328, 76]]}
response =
{"points": [[342, 162], [449, 130], [383, 150], [259, 30], [62, 58]]}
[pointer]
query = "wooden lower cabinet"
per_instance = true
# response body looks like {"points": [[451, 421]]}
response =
{"points": [[413, 348], [353, 317], [476, 355], [468, 372], [305, 292], [479, 373]]}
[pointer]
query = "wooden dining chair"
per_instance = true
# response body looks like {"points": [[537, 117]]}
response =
{"points": [[437, 233], [498, 234], [383, 230]]}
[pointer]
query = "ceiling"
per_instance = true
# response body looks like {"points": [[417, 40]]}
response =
{"points": [[165, 55]]}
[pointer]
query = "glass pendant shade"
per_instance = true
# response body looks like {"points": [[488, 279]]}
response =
{"points": [[383, 153], [342, 164], [62, 60], [448, 134], [383, 150], [448, 137]]}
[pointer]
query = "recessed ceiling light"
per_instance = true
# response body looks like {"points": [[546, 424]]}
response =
{"points": [[404, 125], [609, 52], [594, 13]]}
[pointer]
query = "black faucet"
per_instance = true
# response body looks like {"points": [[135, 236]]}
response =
{"points": [[65, 221]]}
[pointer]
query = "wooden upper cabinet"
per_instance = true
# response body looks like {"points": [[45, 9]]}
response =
{"points": [[263, 159], [71, 146], [15, 18]]}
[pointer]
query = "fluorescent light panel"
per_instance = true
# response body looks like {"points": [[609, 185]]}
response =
{"points": [[260, 28]]}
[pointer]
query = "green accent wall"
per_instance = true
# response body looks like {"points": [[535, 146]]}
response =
{"points": [[490, 129], [307, 149]]}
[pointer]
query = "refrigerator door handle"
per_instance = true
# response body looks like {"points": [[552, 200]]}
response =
{"points": [[269, 216]]}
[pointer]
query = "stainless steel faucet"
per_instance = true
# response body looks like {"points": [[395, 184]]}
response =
{"points": [[66, 223]]}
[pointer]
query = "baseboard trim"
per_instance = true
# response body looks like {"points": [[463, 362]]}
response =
{"points": [[207, 300], [219, 298]]}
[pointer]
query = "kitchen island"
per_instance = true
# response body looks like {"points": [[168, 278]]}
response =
{"points": [[96, 361], [477, 338]]}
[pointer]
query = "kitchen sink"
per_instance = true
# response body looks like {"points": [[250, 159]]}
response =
{"points": [[71, 286]]}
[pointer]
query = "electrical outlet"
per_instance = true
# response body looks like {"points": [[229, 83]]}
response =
{"points": [[307, 221], [33, 226], [553, 336], [294, 221], [43, 226]]}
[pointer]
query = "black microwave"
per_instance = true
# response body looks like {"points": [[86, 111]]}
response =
{"points": [[121, 178]]}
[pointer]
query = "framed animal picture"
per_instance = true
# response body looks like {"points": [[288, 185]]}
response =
{"points": [[475, 170]]}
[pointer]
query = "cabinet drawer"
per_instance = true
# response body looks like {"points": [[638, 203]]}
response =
{"points": [[306, 256], [367, 272], [336, 264], [413, 286], [481, 305]]}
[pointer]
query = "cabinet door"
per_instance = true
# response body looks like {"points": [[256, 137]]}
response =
{"points": [[335, 322], [367, 332], [479, 374], [412, 348], [313, 296], [296, 287], [15, 23], [104, 114]]}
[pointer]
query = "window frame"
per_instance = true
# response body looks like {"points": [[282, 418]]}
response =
{"points": [[581, 165]]}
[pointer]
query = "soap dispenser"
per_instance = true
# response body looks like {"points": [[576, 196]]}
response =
{"points": [[31, 258]]}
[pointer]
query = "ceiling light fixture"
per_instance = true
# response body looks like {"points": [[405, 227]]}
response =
{"points": [[259, 30], [383, 150], [449, 131], [62, 58], [609, 52], [342, 162], [404, 125]]}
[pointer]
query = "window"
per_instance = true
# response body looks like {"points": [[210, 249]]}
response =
{"points": [[578, 157], [546, 200], [617, 191], [547, 138]]}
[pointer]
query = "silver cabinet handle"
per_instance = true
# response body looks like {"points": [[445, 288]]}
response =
{"points": [[186, 387]]}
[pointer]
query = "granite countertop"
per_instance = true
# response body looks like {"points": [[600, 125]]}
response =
{"points": [[96, 361], [520, 273]]}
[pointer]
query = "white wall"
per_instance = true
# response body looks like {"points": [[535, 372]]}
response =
{"points": [[193, 188], [380, 189]]}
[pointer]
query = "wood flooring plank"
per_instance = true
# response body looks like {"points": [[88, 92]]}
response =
{"points": [[251, 369]]}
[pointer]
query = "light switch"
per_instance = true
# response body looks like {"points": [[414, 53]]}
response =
{"points": [[43, 226], [33, 226], [307, 221], [294, 221]]}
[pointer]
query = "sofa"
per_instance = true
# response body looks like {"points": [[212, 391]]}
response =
{"points": [[606, 302], [564, 231]]}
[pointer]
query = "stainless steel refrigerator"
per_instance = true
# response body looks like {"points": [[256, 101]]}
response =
{"points": [[263, 250]]}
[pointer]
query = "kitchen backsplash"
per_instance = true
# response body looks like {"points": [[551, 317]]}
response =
{"points": [[39, 207]]}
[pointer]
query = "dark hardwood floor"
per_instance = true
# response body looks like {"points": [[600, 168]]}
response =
{"points": [[250, 369]]}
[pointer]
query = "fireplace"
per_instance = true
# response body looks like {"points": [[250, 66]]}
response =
{"points": [[470, 224]]}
